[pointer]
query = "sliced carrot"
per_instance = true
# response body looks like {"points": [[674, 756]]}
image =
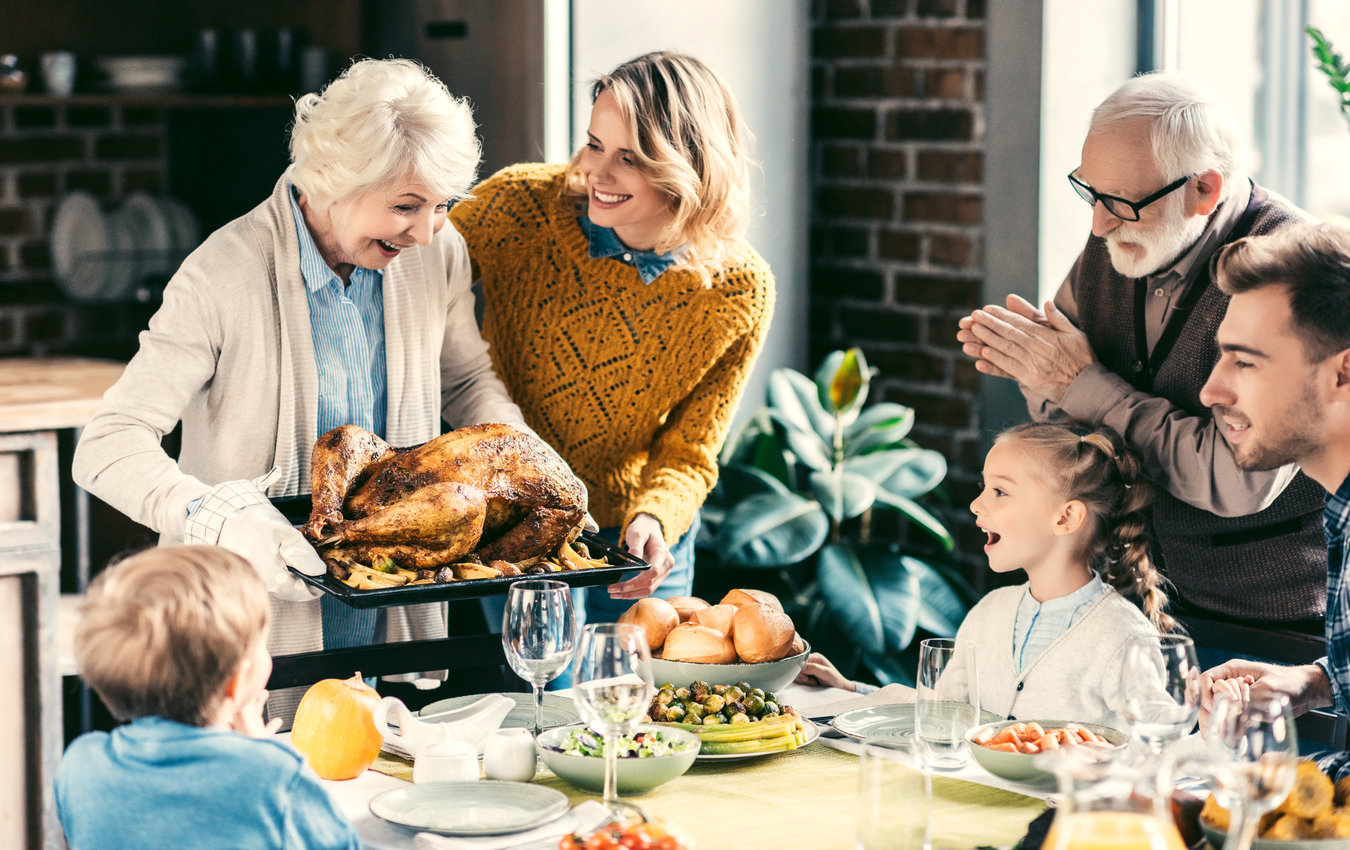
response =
{"points": [[1049, 742], [1005, 736], [1034, 731], [1003, 748], [984, 735]]}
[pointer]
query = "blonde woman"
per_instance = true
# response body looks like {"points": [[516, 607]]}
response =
{"points": [[624, 308], [341, 299]]}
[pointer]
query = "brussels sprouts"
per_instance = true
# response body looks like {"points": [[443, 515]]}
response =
{"points": [[714, 703]]}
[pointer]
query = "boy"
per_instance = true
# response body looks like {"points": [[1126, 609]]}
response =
{"points": [[174, 640]]}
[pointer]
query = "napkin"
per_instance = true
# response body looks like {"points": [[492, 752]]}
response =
{"points": [[585, 818]]}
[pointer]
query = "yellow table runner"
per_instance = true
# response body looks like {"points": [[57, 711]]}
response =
{"points": [[806, 798]]}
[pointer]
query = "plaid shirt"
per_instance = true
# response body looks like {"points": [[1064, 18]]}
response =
{"points": [[1336, 518]]}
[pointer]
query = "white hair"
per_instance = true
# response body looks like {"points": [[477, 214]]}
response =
{"points": [[1191, 129], [383, 121]]}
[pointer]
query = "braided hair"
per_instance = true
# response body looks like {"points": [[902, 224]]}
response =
{"points": [[1096, 467]]}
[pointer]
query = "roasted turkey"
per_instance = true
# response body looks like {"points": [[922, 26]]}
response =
{"points": [[488, 491]]}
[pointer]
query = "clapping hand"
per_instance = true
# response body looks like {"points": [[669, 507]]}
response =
{"points": [[1042, 351]]}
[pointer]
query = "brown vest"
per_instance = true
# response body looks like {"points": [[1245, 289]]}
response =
{"points": [[1269, 566]]}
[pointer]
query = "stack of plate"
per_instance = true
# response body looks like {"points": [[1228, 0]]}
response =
{"points": [[139, 73], [102, 257]]}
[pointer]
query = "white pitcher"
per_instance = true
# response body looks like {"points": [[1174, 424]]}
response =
{"points": [[471, 724]]}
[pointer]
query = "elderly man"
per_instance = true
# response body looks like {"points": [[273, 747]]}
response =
{"points": [[1281, 394], [1129, 341]]}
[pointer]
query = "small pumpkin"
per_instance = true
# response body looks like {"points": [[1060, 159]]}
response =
{"points": [[335, 729]]}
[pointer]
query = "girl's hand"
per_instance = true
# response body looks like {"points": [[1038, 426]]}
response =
{"points": [[248, 720], [819, 671], [645, 539]]}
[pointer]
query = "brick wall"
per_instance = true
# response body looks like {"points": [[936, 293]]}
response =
{"points": [[48, 147], [897, 159]]}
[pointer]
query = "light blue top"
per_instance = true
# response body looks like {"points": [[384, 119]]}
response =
{"points": [[1037, 624], [157, 783], [604, 242], [347, 325]]}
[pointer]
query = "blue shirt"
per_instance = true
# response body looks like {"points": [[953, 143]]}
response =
{"points": [[347, 327], [1335, 518], [605, 243], [157, 783], [1038, 624]]}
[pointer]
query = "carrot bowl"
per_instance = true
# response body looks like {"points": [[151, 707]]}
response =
{"points": [[1010, 749]]}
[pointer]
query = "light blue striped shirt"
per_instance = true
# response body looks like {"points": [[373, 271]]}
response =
{"points": [[1038, 624], [347, 325]]}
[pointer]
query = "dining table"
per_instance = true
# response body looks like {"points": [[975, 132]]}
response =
{"points": [[803, 798]]}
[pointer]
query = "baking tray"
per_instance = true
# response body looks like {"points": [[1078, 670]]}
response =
{"points": [[297, 511]]}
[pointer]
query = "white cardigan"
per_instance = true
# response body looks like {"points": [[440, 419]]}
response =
{"points": [[230, 354], [1078, 677]]}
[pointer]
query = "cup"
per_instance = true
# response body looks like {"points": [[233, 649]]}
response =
{"points": [[509, 755], [894, 801], [58, 72], [204, 66], [947, 702], [450, 760], [316, 67]]}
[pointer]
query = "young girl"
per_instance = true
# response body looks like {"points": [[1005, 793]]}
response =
{"points": [[623, 307], [1064, 503]]}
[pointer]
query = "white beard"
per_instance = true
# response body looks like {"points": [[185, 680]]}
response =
{"points": [[1163, 241]]}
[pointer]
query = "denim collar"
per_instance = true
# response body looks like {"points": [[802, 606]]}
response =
{"points": [[605, 243], [313, 269]]}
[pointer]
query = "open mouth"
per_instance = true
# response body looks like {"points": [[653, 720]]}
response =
{"points": [[991, 537], [388, 249], [607, 198]]}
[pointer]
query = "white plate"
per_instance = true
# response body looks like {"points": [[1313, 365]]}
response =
{"points": [[185, 230], [152, 239], [470, 808], [812, 733], [122, 268], [80, 241], [892, 724]]}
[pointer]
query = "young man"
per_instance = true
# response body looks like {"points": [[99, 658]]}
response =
{"points": [[1280, 393]]}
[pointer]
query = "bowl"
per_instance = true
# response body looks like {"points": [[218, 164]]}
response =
{"points": [[635, 775], [769, 675], [1216, 837], [1022, 767]]}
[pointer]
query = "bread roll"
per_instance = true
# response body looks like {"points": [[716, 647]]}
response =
{"points": [[798, 645], [761, 633], [718, 617], [687, 605], [656, 616], [749, 596], [689, 642]]}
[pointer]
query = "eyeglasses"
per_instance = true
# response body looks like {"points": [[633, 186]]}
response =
{"points": [[1119, 207]]}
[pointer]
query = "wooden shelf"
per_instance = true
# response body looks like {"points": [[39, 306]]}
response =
{"points": [[157, 98]]}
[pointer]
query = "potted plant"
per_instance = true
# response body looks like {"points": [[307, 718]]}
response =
{"points": [[1336, 69], [801, 485]]}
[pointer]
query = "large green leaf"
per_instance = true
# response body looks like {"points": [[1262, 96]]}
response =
{"points": [[904, 472], [772, 530], [796, 400], [847, 591], [878, 427], [943, 609], [805, 446], [740, 481], [843, 495], [918, 515]]}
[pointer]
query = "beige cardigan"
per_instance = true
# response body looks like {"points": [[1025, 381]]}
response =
{"points": [[230, 355]]}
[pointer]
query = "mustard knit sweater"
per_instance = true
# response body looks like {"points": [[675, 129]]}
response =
{"points": [[634, 384]]}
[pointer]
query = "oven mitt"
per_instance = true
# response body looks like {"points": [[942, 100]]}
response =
{"points": [[237, 515]]}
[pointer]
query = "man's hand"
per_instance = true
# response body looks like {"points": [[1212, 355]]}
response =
{"points": [[645, 539], [1043, 352], [1306, 686]]}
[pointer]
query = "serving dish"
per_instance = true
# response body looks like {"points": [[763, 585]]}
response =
{"points": [[634, 775], [1216, 836], [891, 724], [486, 807], [1026, 767], [769, 675], [811, 730]]}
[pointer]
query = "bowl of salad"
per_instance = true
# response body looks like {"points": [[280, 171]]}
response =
{"points": [[651, 756]]}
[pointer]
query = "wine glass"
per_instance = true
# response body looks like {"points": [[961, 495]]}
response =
{"points": [[538, 634], [1159, 689], [1258, 760], [613, 686]]}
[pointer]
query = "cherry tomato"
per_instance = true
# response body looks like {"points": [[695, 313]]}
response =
{"points": [[570, 842]]}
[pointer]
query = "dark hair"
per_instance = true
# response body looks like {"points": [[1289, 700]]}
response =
{"points": [[1093, 465], [1313, 261]]}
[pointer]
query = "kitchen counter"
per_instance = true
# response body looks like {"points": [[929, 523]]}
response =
{"points": [[42, 400]]}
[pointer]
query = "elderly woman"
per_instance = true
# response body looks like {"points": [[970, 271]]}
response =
{"points": [[343, 298]]}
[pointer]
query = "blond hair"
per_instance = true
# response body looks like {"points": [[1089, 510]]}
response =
{"points": [[1092, 464], [690, 142], [164, 631], [382, 122]]}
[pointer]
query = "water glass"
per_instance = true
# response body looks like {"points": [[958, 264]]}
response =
{"points": [[894, 801], [1257, 748], [613, 686], [539, 634], [1159, 689], [947, 703]]}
